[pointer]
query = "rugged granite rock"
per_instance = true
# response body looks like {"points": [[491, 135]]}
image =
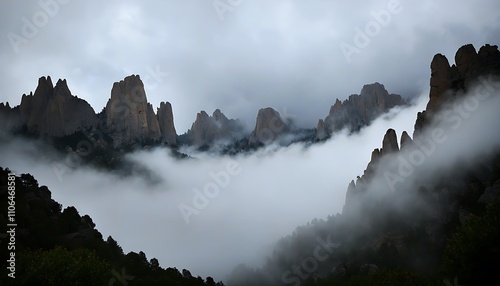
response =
{"points": [[389, 146], [447, 82], [268, 127], [165, 118], [441, 80], [51, 111], [358, 110], [390, 142], [452, 81], [321, 132], [129, 116], [406, 140], [9, 117], [209, 129]]}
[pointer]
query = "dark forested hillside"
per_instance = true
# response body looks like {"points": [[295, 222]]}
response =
{"points": [[56, 246]]}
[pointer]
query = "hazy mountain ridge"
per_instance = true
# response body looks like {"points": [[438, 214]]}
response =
{"points": [[393, 221], [404, 223], [128, 119], [358, 111]]}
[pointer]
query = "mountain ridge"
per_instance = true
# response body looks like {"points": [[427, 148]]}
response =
{"points": [[129, 119]]}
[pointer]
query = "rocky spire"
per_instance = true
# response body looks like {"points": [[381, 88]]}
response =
{"points": [[358, 110], [405, 140], [447, 81], [390, 142], [129, 116], [268, 126], [321, 132], [54, 111], [441, 81], [208, 129], [166, 121]]}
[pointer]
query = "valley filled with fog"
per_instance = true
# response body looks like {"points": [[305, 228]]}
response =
{"points": [[265, 196]]}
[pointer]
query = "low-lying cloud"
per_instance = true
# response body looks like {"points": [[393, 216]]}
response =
{"points": [[211, 213], [461, 136]]}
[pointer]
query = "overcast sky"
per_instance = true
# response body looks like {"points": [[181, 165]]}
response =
{"points": [[283, 54]]}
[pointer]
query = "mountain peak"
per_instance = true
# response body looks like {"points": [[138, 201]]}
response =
{"points": [[358, 110], [129, 115], [61, 88], [268, 126], [373, 89], [208, 129], [165, 118], [45, 87]]}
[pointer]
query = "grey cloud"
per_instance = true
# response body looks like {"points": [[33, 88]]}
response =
{"points": [[279, 54]]}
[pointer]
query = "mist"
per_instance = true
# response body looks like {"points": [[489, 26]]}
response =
{"points": [[463, 134], [210, 213]]}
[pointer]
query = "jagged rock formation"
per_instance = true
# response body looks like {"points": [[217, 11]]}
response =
{"points": [[9, 117], [209, 129], [390, 142], [129, 116], [268, 127], [389, 146], [165, 118], [449, 81], [358, 110], [321, 132], [51, 111], [446, 83], [406, 140]]}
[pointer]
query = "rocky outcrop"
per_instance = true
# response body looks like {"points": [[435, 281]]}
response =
{"points": [[9, 117], [129, 116], [447, 82], [53, 111], [451, 81], [406, 140], [441, 80], [389, 146], [209, 129], [358, 110], [268, 127], [126, 119], [165, 118], [390, 142], [321, 132]]}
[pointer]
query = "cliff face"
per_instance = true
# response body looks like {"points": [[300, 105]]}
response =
{"points": [[208, 129], [448, 81], [165, 118], [358, 110], [51, 111], [129, 116], [269, 126], [9, 117]]}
